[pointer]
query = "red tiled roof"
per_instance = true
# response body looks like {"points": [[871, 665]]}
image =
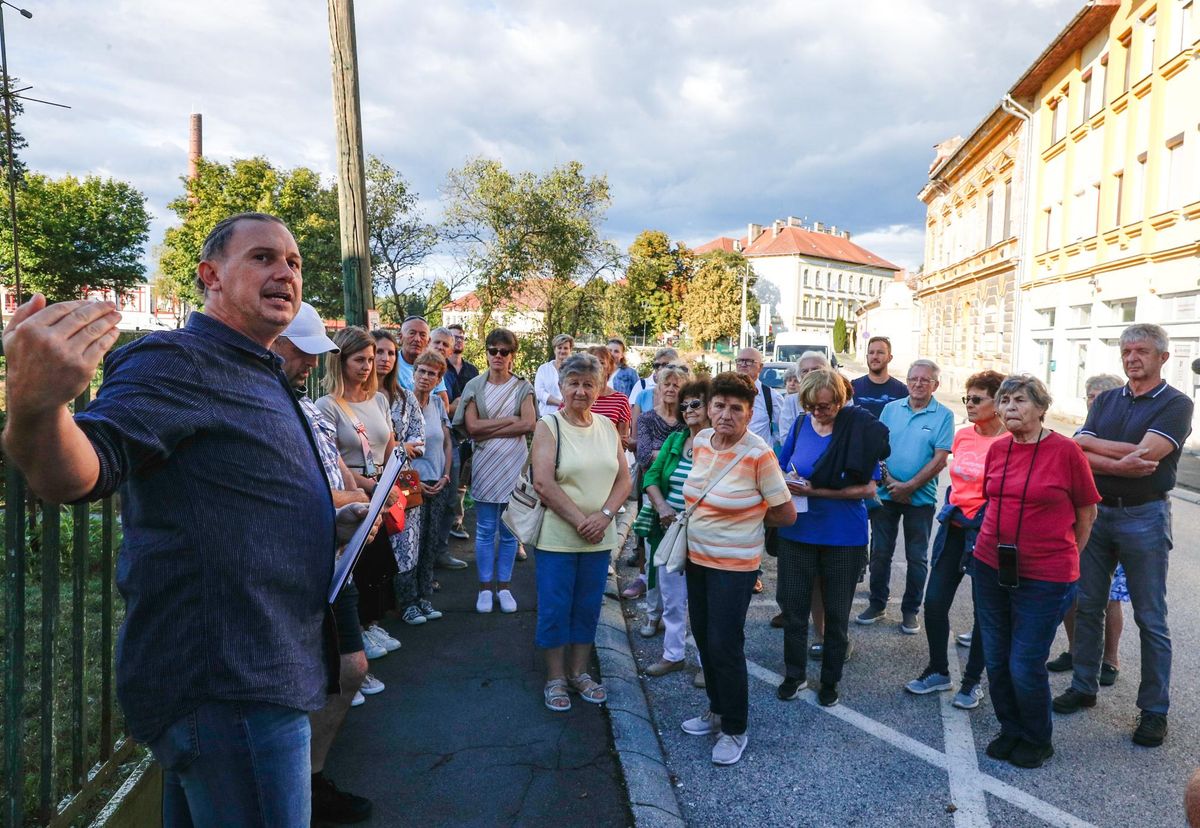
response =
{"points": [[529, 297], [796, 241]]}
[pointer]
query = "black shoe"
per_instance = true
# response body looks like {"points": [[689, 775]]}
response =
{"points": [[790, 689], [331, 805], [827, 696], [1108, 675], [1028, 755], [1072, 701], [777, 621], [1061, 664], [1002, 746], [1151, 729]]}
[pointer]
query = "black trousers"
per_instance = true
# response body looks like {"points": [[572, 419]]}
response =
{"points": [[837, 568], [717, 604]]}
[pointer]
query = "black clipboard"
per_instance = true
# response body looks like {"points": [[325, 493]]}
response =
{"points": [[345, 564]]}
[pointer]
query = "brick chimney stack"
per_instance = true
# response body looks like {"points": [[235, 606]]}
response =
{"points": [[195, 144]]}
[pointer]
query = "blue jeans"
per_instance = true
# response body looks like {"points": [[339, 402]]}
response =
{"points": [[236, 763], [944, 578], [1139, 538], [449, 517], [570, 589], [885, 526], [1018, 627], [717, 604], [491, 532]]}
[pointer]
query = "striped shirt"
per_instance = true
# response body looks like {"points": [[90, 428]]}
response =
{"points": [[498, 461], [726, 530], [676, 483], [615, 406]]}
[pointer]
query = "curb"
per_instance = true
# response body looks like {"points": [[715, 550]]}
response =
{"points": [[643, 764], [1185, 495]]}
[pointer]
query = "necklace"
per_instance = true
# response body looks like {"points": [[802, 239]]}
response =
{"points": [[687, 453]]}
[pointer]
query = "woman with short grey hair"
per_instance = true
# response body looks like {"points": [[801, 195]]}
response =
{"points": [[1097, 385], [545, 381]]}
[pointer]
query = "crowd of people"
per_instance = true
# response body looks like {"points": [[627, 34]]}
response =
{"points": [[268, 484]]}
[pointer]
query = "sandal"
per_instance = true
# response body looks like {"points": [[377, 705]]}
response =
{"points": [[555, 695], [588, 688]]}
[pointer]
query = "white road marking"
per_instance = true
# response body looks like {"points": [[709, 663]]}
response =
{"points": [[966, 792]]}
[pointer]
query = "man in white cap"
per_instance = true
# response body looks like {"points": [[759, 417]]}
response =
{"points": [[300, 345]]}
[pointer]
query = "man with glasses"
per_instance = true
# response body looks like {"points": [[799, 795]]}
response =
{"points": [[921, 432], [877, 388], [441, 342], [768, 405], [458, 373]]}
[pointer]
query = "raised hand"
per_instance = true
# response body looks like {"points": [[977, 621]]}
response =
{"points": [[53, 351]]}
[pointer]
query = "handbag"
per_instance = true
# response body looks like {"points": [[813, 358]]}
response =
{"points": [[393, 516], [672, 550], [525, 510]]}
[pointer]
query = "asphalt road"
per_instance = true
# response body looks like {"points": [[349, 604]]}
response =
{"points": [[884, 757]]}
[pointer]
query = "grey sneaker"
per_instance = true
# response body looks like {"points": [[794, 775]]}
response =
{"points": [[705, 725], [929, 683], [428, 611], [910, 625], [729, 749], [413, 615], [963, 639], [448, 561], [968, 698], [870, 615]]}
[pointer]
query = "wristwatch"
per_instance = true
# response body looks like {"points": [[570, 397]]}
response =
{"points": [[607, 512]]}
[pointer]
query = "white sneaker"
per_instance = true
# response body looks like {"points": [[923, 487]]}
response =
{"points": [[383, 638], [507, 602], [484, 602], [371, 686], [371, 647], [729, 749], [358, 700], [705, 725]]}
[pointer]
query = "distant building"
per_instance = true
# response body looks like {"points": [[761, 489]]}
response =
{"points": [[522, 313], [893, 315], [809, 275], [141, 307]]}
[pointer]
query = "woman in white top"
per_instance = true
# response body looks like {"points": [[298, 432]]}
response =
{"points": [[497, 412], [545, 382]]}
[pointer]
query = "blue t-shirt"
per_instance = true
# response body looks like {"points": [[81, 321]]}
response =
{"points": [[644, 399], [913, 437], [828, 522], [624, 380], [873, 396], [404, 376]]}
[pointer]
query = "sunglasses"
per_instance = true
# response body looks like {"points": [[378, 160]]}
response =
{"points": [[499, 351], [975, 400], [691, 405]]}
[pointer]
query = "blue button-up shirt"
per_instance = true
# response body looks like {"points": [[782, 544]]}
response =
{"points": [[228, 525], [914, 436]]}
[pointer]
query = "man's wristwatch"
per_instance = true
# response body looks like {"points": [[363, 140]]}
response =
{"points": [[607, 512]]}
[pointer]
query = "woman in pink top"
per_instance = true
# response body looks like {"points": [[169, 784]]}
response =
{"points": [[960, 520]]}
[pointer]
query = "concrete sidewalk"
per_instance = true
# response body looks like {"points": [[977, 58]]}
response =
{"points": [[461, 736]]}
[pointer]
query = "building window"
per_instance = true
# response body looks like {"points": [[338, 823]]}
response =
{"points": [[807, 281], [1044, 318], [1181, 307], [1058, 112], [1086, 103], [1127, 56], [1008, 209], [1182, 26], [1173, 174], [1100, 84], [1122, 311], [1149, 24], [987, 226], [1081, 316]]}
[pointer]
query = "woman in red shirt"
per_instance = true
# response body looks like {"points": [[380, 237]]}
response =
{"points": [[1041, 506]]}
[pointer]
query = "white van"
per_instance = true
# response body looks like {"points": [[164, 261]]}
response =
{"points": [[789, 345]]}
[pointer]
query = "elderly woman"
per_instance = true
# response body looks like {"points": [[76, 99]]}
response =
{"points": [[1118, 593], [496, 411], [736, 486], [960, 520], [580, 475], [831, 458], [360, 415], [653, 428], [545, 381], [791, 381], [1041, 506], [663, 483], [414, 588]]}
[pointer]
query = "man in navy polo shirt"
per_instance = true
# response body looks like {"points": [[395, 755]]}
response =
{"points": [[921, 432], [229, 524], [1133, 437]]}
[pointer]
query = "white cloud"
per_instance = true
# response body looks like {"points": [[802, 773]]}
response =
{"points": [[900, 244]]}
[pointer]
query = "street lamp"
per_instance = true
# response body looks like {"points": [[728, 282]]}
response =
{"points": [[8, 149]]}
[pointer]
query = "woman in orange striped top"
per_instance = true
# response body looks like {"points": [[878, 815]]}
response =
{"points": [[725, 546]]}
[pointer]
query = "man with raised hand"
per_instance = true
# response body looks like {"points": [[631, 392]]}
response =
{"points": [[229, 526]]}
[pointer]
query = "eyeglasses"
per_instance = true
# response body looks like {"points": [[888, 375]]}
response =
{"points": [[425, 372], [821, 408], [499, 351], [920, 381], [458, 336], [658, 365], [975, 400], [746, 361], [691, 405]]}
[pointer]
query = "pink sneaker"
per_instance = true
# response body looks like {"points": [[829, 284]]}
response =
{"points": [[635, 590]]}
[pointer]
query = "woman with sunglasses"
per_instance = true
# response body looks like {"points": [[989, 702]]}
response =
{"points": [[830, 460], [960, 520], [496, 410]]}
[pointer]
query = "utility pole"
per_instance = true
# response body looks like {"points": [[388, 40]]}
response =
{"points": [[745, 291], [11, 170], [352, 188]]}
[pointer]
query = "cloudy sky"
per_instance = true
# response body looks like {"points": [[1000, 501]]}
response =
{"points": [[703, 115]]}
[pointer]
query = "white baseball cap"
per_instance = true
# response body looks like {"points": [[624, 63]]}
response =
{"points": [[307, 332]]}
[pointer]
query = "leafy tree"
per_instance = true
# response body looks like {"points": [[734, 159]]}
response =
{"points": [[530, 236], [400, 238], [712, 308], [18, 140], [657, 276], [77, 235], [439, 296], [839, 335], [297, 196]]}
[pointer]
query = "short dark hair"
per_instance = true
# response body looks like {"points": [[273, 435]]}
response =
{"points": [[733, 384], [701, 388], [501, 336], [222, 232], [882, 339], [989, 381]]}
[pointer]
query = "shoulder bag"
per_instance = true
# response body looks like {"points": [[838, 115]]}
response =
{"points": [[525, 510], [672, 550], [409, 481]]}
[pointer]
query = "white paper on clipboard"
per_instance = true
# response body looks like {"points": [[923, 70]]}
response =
{"points": [[345, 564]]}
